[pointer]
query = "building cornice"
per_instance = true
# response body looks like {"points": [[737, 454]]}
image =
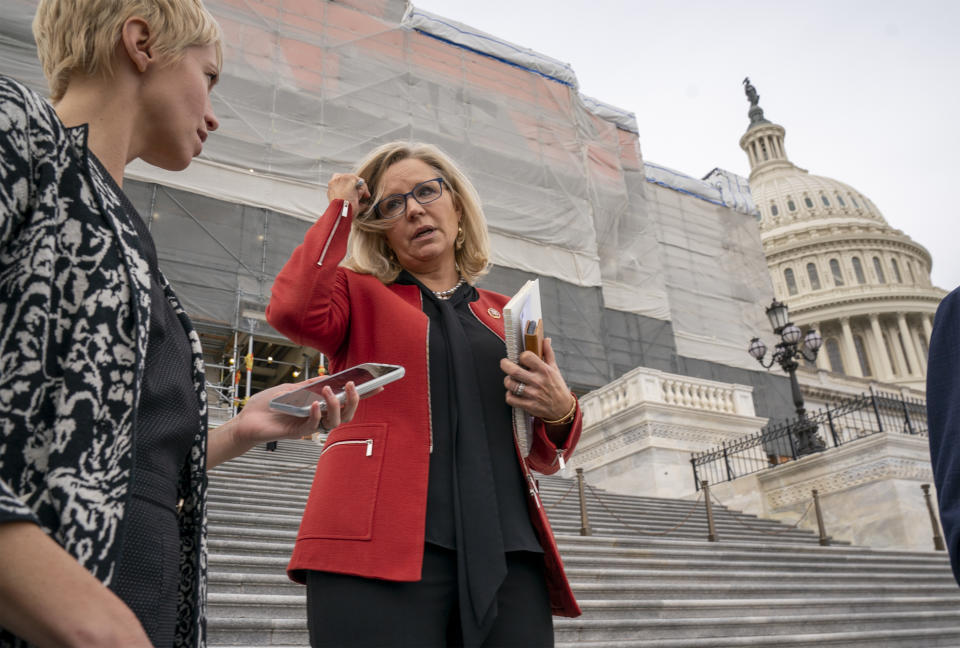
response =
{"points": [[862, 300], [832, 238]]}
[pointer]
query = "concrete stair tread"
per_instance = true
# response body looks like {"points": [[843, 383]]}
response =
{"points": [[661, 588], [846, 639], [582, 572], [758, 620], [576, 539], [765, 602]]}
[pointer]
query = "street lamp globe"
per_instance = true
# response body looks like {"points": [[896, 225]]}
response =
{"points": [[778, 315], [812, 341], [791, 334], [757, 349]]}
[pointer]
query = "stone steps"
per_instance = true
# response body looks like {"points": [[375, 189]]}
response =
{"points": [[618, 515], [751, 588]]}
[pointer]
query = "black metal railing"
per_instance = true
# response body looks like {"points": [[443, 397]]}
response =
{"points": [[777, 443]]}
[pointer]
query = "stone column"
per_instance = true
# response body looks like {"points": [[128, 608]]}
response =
{"points": [[822, 360], [927, 327], [850, 350], [885, 371], [911, 352], [901, 363], [916, 338]]}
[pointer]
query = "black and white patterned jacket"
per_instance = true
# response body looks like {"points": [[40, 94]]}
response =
{"points": [[74, 326]]}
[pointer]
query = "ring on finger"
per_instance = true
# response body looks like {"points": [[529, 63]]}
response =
{"points": [[323, 429], [359, 184], [519, 389]]}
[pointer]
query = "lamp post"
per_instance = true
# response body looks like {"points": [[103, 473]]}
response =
{"points": [[787, 354]]}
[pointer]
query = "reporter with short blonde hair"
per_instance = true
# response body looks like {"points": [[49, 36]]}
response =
{"points": [[104, 444], [81, 38]]}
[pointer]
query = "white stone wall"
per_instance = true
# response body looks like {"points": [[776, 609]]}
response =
{"points": [[870, 492], [640, 430]]}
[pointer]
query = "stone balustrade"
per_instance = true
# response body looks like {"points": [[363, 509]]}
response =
{"points": [[643, 385]]}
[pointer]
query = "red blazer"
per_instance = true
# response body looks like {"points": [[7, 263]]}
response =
{"points": [[367, 506]]}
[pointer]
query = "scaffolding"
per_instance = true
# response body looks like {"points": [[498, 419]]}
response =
{"points": [[309, 88]]}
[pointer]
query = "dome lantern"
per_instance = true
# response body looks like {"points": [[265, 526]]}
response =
{"points": [[763, 141]]}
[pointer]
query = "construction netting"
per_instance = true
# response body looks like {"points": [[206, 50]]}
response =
{"points": [[310, 86]]}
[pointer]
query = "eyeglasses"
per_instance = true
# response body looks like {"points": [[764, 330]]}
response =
{"points": [[395, 205]]}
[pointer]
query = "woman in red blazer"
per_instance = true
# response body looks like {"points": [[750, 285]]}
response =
{"points": [[424, 526]]}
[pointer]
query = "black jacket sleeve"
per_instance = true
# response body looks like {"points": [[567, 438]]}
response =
{"points": [[943, 417]]}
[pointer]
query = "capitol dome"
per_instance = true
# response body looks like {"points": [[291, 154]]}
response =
{"points": [[838, 264]]}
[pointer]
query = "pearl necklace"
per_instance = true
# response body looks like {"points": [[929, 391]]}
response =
{"points": [[446, 294]]}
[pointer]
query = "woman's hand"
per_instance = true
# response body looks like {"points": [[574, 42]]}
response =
{"points": [[349, 187], [544, 393], [258, 423]]}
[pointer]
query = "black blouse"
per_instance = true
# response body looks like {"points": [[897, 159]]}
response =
{"points": [[487, 350]]}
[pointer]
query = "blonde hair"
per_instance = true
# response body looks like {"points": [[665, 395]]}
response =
{"points": [[82, 35], [370, 252]]}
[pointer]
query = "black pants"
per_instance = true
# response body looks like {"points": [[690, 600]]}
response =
{"points": [[353, 612]]}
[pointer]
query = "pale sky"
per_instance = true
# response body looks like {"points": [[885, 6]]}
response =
{"points": [[868, 91]]}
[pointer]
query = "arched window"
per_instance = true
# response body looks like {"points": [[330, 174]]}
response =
{"points": [[792, 206], [862, 356], [858, 271], [813, 276], [791, 281], [808, 202], [833, 352], [878, 268], [896, 270], [854, 201], [913, 277], [826, 203], [840, 200], [774, 210], [835, 271]]}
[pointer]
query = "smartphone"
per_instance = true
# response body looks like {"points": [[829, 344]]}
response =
{"points": [[533, 337], [367, 377]]}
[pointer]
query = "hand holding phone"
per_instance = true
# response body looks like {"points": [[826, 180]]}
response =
{"points": [[367, 378]]}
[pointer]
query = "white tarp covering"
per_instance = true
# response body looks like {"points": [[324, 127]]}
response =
{"points": [[734, 191], [719, 187], [622, 118], [667, 177], [310, 86], [483, 43], [715, 275]]}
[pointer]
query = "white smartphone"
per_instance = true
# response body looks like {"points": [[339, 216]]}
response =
{"points": [[366, 377]]}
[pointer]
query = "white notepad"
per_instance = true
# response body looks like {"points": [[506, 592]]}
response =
{"points": [[522, 307]]}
